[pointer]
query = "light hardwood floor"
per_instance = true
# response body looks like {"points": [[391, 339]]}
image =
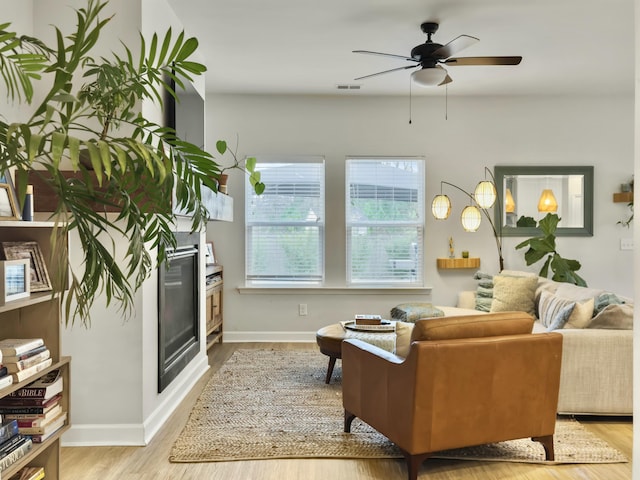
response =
{"points": [[150, 463]]}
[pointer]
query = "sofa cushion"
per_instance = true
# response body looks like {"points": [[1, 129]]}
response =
{"points": [[514, 294], [403, 338], [411, 312], [616, 317], [576, 292], [473, 326], [557, 312]]}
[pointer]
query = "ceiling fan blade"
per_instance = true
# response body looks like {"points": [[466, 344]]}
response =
{"points": [[454, 46], [446, 80], [483, 61], [388, 71], [368, 52]]}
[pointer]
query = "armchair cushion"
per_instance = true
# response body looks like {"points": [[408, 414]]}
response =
{"points": [[473, 326]]}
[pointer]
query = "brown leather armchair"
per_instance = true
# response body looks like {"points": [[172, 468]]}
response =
{"points": [[466, 381]]}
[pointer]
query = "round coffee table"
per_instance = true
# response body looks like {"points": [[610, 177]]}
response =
{"points": [[329, 340]]}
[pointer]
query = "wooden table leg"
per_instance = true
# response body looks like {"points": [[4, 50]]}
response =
{"points": [[332, 363]]}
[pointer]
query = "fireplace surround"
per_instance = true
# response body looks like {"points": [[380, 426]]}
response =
{"points": [[178, 308]]}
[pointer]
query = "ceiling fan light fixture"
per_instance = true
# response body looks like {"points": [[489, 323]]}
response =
{"points": [[429, 77]]}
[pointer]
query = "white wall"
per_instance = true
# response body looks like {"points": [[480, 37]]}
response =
{"points": [[114, 368], [478, 132]]}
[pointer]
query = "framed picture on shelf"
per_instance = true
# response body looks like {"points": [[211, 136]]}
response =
{"points": [[15, 279], [39, 277], [8, 200], [210, 254]]}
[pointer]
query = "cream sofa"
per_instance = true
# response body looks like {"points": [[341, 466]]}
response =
{"points": [[597, 359]]}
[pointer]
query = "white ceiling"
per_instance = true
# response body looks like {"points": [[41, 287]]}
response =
{"points": [[304, 46]]}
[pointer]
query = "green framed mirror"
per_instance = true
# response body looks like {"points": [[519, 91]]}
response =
{"points": [[528, 193]]}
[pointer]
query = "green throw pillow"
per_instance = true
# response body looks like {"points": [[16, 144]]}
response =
{"points": [[412, 312]]}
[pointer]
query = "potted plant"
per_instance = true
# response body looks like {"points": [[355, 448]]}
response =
{"points": [[92, 105]]}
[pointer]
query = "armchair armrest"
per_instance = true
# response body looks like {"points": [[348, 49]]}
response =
{"points": [[376, 383]]}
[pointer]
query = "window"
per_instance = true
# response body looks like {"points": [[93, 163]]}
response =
{"points": [[385, 220], [285, 225]]}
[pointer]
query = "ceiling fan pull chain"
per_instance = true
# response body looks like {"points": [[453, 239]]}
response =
{"points": [[409, 100], [446, 102]]}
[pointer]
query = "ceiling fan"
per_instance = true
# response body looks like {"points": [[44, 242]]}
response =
{"points": [[430, 56]]}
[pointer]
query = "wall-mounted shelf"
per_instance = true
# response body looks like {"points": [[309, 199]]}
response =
{"points": [[625, 197], [458, 262]]}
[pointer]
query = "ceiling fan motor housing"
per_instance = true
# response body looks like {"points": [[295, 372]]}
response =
{"points": [[422, 53]]}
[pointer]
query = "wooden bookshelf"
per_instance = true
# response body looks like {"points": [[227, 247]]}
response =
{"points": [[37, 316], [450, 263], [214, 307]]}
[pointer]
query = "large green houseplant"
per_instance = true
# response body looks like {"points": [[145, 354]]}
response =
{"points": [[90, 109], [564, 269]]}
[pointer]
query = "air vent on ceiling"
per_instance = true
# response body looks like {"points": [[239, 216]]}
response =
{"points": [[344, 86]]}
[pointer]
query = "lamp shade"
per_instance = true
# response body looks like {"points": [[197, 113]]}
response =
{"points": [[429, 77], [509, 203], [485, 194], [547, 202], [441, 207], [470, 218]]}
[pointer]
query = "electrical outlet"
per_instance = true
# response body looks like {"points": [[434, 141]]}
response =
{"points": [[626, 244], [302, 309]]}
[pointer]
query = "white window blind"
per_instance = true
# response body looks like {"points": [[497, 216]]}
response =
{"points": [[285, 225], [385, 220]]}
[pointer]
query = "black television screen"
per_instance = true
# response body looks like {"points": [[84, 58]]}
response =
{"points": [[186, 115]]}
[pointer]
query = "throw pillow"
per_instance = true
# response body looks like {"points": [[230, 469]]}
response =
{"points": [[616, 317], [403, 338], [581, 315], [605, 299], [514, 294], [561, 317], [550, 307], [484, 291], [412, 312]]}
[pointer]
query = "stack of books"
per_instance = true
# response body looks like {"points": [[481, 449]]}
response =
{"points": [[29, 473], [5, 377], [24, 357], [13, 445], [37, 408]]}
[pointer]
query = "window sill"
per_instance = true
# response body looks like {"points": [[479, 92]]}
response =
{"points": [[287, 290]]}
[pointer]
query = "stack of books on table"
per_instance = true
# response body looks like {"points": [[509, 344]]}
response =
{"points": [[37, 408], [13, 445], [24, 357]]}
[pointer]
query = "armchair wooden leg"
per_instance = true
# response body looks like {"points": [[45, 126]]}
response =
{"points": [[332, 363], [348, 419], [414, 462], [547, 443]]}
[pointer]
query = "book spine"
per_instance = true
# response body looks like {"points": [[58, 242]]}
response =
{"points": [[8, 430], [30, 411], [24, 356], [29, 393], [19, 347], [11, 444], [24, 401], [24, 374], [28, 362], [16, 454]]}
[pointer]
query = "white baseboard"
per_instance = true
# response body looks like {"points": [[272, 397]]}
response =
{"points": [[138, 434], [298, 337]]}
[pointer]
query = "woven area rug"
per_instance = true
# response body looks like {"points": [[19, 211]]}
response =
{"points": [[274, 404]]}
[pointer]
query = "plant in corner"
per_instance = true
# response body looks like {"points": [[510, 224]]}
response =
{"points": [[91, 109], [564, 270]]}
